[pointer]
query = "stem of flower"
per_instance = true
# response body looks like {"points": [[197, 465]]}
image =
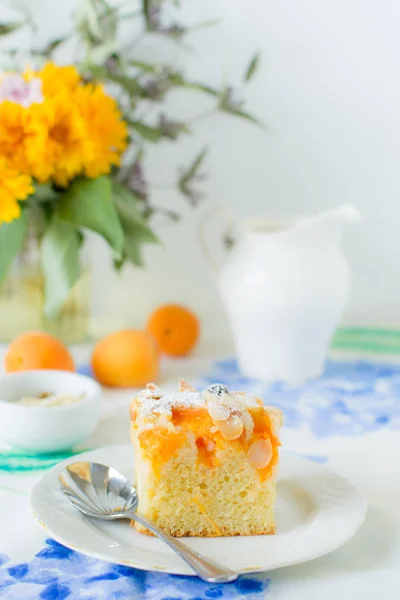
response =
{"points": [[204, 115]]}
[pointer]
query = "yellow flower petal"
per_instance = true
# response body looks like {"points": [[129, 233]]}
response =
{"points": [[12, 134], [56, 78], [14, 187], [61, 144], [106, 129]]}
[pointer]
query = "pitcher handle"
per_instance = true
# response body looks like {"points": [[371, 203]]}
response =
{"points": [[230, 220]]}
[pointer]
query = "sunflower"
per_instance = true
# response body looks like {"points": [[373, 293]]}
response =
{"points": [[14, 186], [60, 146], [107, 131]]}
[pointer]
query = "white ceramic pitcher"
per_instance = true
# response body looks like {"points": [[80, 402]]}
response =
{"points": [[285, 286]]}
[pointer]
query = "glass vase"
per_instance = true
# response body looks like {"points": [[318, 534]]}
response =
{"points": [[22, 298]]}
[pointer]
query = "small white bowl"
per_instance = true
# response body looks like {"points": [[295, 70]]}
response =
{"points": [[44, 429]]}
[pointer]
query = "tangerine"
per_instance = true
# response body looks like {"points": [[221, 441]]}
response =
{"points": [[37, 350], [175, 328], [126, 358]]}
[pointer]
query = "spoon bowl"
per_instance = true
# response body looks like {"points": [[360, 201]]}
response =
{"points": [[98, 490], [101, 492]]}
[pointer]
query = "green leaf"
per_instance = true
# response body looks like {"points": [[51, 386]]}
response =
{"points": [[97, 27], [228, 105], [134, 225], [130, 216], [152, 134], [200, 87], [252, 67], [132, 251], [144, 66], [195, 166], [51, 46], [170, 214], [129, 84], [189, 175], [6, 28], [88, 203], [166, 129], [44, 192], [247, 116], [96, 72], [146, 5], [178, 80], [60, 263], [90, 18], [108, 21], [12, 237], [101, 52]]}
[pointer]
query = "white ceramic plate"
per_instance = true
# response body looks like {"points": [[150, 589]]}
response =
{"points": [[317, 511]]}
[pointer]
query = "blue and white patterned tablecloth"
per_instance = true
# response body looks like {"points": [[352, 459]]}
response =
{"points": [[349, 418]]}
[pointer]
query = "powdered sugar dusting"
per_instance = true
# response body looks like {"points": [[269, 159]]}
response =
{"points": [[216, 399], [167, 402]]}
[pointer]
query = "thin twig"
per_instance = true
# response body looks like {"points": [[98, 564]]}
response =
{"points": [[204, 115]]}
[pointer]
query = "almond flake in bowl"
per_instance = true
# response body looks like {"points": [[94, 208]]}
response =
{"points": [[50, 399]]}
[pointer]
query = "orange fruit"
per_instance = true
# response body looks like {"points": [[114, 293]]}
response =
{"points": [[175, 328], [126, 358], [37, 350]]}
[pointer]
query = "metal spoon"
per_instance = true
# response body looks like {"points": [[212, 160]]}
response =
{"points": [[102, 492]]}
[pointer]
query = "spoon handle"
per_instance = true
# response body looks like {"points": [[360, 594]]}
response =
{"points": [[205, 568]]}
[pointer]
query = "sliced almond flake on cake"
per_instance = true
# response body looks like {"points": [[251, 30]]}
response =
{"points": [[184, 386]]}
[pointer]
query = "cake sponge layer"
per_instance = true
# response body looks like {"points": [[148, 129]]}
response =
{"points": [[189, 498]]}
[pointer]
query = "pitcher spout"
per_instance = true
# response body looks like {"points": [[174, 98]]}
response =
{"points": [[347, 213], [330, 224]]}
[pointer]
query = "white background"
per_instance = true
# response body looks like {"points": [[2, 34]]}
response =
{"points": [[329, 91]]}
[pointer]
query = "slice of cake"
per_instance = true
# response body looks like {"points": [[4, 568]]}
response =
{"points": [[205, 462]]}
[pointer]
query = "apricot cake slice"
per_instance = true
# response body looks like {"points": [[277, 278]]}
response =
{"points": [[205, 462]]}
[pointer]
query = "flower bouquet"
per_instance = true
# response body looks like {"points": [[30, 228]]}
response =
{"points": [[72, 144]]}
